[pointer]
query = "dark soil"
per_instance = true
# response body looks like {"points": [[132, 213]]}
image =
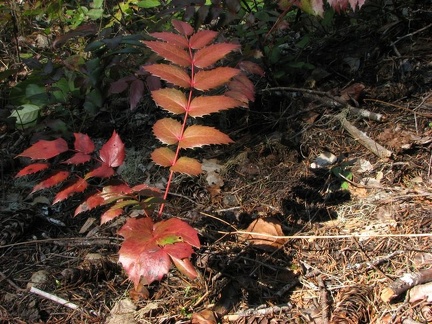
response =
{"points": [[346, 240]]}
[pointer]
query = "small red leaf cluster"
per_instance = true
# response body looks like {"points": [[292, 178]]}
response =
{"points": [[111, 155]]}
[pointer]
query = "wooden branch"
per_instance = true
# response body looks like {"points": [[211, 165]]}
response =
{"points": [[404, 283], [363, 139]]}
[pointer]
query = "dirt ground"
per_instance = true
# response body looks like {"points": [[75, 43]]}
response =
{"points": [[345, 223]]}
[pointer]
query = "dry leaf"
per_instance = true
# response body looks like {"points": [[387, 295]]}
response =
{"points": [[204, 317], [265, 230]]}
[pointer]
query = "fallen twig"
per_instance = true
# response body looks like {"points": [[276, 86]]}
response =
{"points": [[362, 138], [54, 298]]}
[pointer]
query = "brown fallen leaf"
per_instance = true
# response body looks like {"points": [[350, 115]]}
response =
{"points": [[206, 316], [264, 231]]}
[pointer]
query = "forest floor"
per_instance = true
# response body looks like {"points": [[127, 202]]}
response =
{"points": [[345, 226]]}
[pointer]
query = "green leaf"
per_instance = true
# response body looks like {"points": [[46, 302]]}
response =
{"points": [[148, 3], [27, 116], [95, 14]]}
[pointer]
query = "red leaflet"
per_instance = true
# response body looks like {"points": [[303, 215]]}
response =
{"points": [[147, 249], [83, 143], [182, 27], [243, 85], [91, 202], [206, 80], [78, 158], [198, 135], [136, 92], [184, 266], [163, 156], [211, 54], [187, 165], [52, 181], [45, 149], [170, 99], [113, 151], [32, 168], [172, 53], [205, 105], [170, 73], [172, 38], [251, 67], [110, 214], [167, 130], [103, 171], [77, 187], [202, 38]]}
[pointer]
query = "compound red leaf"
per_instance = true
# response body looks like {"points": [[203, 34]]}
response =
{"points": [[136, 92], [172, 38], [211, 54], [185, 267], [202, 38], [78, 158], [148, 248], [77, 187], [182, 27], [170, 73], [205, 105], [167, 130], [146, 190], [45, 149], [206, 80], [110, 214], [170, 99], [83, 143], [113, 151], [32, 168], [170, 52], [103, 171], [52, 181], [187, 165], [198, 135], [163, 156]]}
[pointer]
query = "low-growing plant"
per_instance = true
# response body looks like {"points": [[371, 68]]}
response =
{"points": [[192, 73]]}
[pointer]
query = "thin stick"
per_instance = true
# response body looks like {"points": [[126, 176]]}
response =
{"points": [[54, 298]]}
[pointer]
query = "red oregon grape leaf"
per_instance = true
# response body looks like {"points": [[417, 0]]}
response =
{"points": [[185, 267], [170, 99], [77, 187], [113, 151], [78, 158], [238, 96], [45, 149], [206, 80], [32, 168], [241, 83], [163, 156], [110, 214], [182, 27], [91, 202], [172, 38], [136, 92], [199, 135], [170, 52], [103, 171], [143, 257], [119, 85], [205, 105], [167, 130], [83, 143], [211, 54], [51, 181], [251, 68], [146, 190], [187, 165], [179, 228], [170, 73], [202, 38]]}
